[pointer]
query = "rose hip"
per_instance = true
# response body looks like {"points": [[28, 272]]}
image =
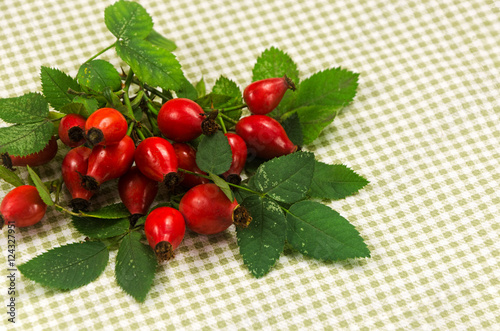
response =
{"points": [[22, 207], [186, 156], [74, 166], [239, 152], [72, 130], [105, 126], [35, 159], [264, 95], [180, 119]]}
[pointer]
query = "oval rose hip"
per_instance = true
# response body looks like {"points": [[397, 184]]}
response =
{"points": [[74, 166], [35, 159], [22, 206], [263, 96], [72, 129], [105, 126], [186, 156], [239, 154], [180, 119]]}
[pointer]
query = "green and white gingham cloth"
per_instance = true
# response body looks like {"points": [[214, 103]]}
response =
{"points": [[424, 128]]}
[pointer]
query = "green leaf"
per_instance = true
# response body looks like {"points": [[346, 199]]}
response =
{"points": [[201, 88], [293, 129], [158, 40], [40, 186], [24, 139], [335, 181], [211, 99], [214, 154], [225, 86], [28, 108], [10, 177], [68, 267], [152, 65], [186, 90], [135, 266], [223, 185], [332, 87], [285, 178], [55, 85], [262, 242], [127, 19], [81, 105], [318, 231], [114, 211], [100, 228], [313, 119], [98, 74], [275, 63], [114, 101]]}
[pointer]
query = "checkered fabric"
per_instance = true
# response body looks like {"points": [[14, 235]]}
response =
{"points": [[424, 128]]}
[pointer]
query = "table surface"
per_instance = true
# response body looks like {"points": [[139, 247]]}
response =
{"points": [[423, 128]]}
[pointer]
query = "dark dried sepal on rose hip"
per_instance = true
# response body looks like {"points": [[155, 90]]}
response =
{"points": [[208, 125], [233, 179], [76, 134], [133, 219], [290, 83], [171, 180], [6, 161], [79, 204], [94, 136], [90, 183], [241, 217], [2, 222], [164, 251]]}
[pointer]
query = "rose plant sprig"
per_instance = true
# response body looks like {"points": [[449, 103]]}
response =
{"points": [[218, 165]]}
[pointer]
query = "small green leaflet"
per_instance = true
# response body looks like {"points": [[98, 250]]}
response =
{"points": [[158, 40], [55, 85], [263, 241], [98, 74], [28, 108], [127, 19], [152, 65], [68, 267], [186, 90], [135, 266], [318, 231], [285, 178], [273, 63], [293, 129], [335, 181], [40, 186], [81, 105], [24, 139], [313, 119], [214, 154], [114, 211], [10, 177], [223, 185], [225, 86], [97, 228], [115, 102], [201, 88]]}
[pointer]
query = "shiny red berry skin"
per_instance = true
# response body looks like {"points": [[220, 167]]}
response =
{"points": [[22, 206], [239, 151], [180, 120], [105, 126], [155, 158], [109, 162], [38, 158], [73, 167], [71, 130], [137, 191], [264, 95], [206, 209], [186, 156], [164, 225], [264, 136]]}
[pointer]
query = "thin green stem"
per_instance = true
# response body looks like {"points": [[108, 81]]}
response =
{"points": [[140, 133], [126, 97], [104, 50], [58, 189], [130, 128], [227, 118], [223, 126], [66, 210], [230, 184]]}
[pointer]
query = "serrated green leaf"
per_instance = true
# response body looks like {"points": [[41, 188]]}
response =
{"points": [[10, 177], [223, 185], [293, 129], [81, 105], [98, 228], [152, 65], [201, 88], [24, 139], [40, 186], [127, 19], [55, 85], [274, 63], [114, 211], [285, 178], [68, 267], [332, 87], [318, 231], [214, 154], [115, 102], [335, 181], [313, 119], [158, 40], [135, 266], [28, 108], [212, 99], [186, 90], [225, 86], [262, 242], [98, 74]]}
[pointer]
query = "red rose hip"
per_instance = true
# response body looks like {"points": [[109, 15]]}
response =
{"points": [[207, 210], [239, 152], [35, 159], [74, 166], [165, 229], [264, 136], [264, 95], [180, 119], [186, 156], [105, 126], [72, 130], [22, 207]]}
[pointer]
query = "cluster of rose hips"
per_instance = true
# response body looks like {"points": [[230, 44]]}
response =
{"points": [[101, 150]]}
